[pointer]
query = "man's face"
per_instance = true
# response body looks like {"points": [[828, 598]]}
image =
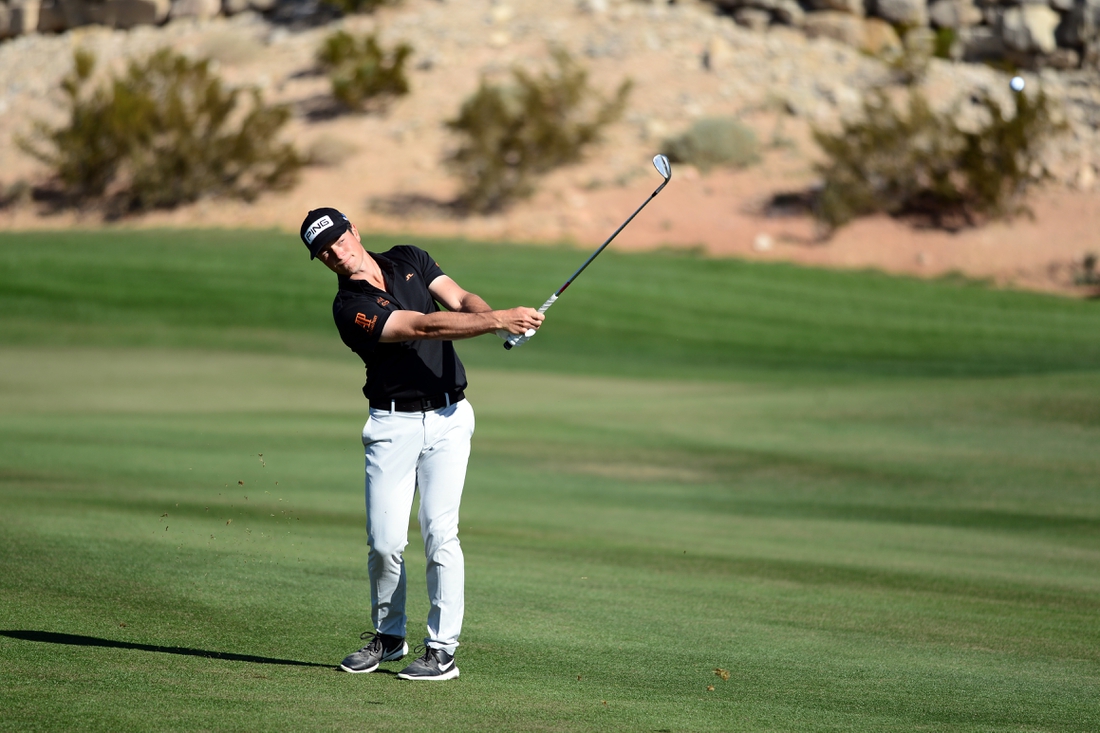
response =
{"points": [[346, 255]]}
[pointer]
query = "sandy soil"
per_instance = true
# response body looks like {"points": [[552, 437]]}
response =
{"points": [[389, 176]]}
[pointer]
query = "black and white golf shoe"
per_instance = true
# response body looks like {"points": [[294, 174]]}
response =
{"points": [[436, 664], [381, 648]]}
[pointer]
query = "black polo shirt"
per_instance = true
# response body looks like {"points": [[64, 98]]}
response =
{"points": [[404, 370]]}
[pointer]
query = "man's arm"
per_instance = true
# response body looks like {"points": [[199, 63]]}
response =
{"points": [[468, 315]]}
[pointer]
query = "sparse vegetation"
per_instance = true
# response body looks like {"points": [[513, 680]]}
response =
{"points": [[714, 141], [165, 133], [922, 163], [513, 133], [329, 151], [363, 74]]}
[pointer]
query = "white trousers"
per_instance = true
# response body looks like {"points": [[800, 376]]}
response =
{"points": [[408, 452]]}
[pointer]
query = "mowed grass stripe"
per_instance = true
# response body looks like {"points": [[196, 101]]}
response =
{"points": [[650, 315]]}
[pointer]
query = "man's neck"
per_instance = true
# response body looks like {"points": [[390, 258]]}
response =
{"points": [[370, 271]]}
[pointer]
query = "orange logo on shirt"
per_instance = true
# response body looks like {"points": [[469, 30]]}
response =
{"points": [[366, 323], [409, 276], [383, 302]]}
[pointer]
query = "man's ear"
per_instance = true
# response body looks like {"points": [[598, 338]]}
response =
{"points": [[356, 233]]}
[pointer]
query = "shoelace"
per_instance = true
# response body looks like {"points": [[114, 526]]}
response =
{"points": [[375, 640], [425, 652]]}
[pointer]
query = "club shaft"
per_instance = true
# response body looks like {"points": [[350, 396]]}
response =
{"points": [[604, 245]]}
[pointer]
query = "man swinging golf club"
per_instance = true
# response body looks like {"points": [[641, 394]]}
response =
{"points": [[417, 437]]}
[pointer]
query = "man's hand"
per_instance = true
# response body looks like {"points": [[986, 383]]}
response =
{"points": [[519, 320]]}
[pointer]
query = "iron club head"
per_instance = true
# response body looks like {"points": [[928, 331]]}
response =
{"points": [[660, 162]]}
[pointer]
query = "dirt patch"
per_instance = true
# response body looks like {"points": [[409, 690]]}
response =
{"points": [[386, 172]]}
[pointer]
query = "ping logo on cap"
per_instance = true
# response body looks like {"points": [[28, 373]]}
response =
{"points": [[316, 228]]}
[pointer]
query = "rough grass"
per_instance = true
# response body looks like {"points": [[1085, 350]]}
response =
{"points": [[866, 537]]}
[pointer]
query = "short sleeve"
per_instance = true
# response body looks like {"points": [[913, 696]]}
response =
{"points": [[429, 268], [360, 321]]}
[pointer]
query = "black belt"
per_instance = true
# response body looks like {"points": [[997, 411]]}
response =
{"points": [[423, 404]]}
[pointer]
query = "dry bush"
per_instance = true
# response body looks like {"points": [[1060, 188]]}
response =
{"points": [[330, 151], [714, 141], [922, 163], [363, 74], [513, 133], [164, 133]]}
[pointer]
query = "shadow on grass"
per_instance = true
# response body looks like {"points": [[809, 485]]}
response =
{"points": [[51, 637]]}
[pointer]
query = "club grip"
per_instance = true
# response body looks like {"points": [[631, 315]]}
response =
{"points": [[522, 338]]}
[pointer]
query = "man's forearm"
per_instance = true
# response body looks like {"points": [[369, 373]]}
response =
{"points": [[452, 325]]}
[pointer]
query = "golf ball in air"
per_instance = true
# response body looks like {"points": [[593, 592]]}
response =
{"points": [[1017, 83]]}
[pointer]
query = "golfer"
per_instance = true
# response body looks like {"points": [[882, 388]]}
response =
{"points": [[417, 437]]}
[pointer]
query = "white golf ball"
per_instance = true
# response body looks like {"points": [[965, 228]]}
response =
{"points": [[1017, 83]]}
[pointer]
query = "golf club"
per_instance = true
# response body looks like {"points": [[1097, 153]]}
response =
{"points": [[661, 163]]}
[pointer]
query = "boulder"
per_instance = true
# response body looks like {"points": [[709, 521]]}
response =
{"points": [[1079, 26], [262, 6], [839, 26], [5, 21], [854, 7], [52, 17], [880, 38], [200, 9], [1030, 28], [23, 16], [232, 7], [718, 54], [980, 43], [954, 14], [754, 19], [787, 12], [902, 12], [127, 13]]}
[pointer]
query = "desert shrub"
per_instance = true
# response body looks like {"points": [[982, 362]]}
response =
{"points": [[164, 133], [945, 40], [362, 73], [714, 141], [922, 163], [513, 133]]}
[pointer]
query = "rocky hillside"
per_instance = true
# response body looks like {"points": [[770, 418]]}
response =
{"points": [[686, 60]]}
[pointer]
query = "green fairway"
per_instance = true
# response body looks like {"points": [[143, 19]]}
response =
{"points": [[873, 501]]}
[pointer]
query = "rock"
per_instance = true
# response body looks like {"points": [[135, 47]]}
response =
{"points": [[23, 16], [980, 43], [754, 19], [954, 14], [843, 27], [1062, 58], [1085, 179], [1030, 28], [854, 7], [127, 13], [5, 21], [718, 54], [902, 12], [200, 9], [52, 17], [880, 38], [1080, 26], [233, 7], [595, 7], [262, 6], [787, 12]]}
